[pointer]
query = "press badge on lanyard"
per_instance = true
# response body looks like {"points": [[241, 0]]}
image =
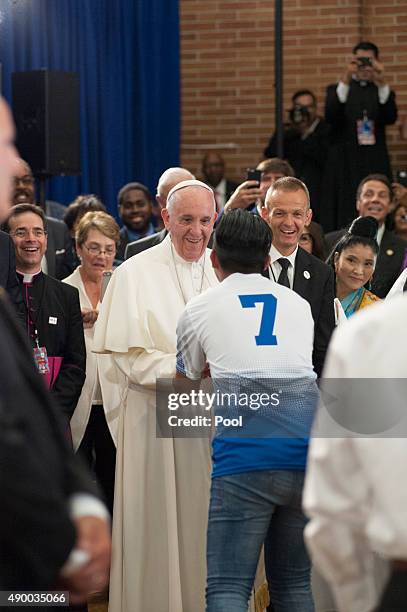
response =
{"points": [[41, 357], [365, 129]]}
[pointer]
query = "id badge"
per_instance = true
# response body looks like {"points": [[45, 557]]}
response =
{"points": [[41, 359], [366, 133]]}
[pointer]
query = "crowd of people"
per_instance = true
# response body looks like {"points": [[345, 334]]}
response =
{"points": [[110, 318]]}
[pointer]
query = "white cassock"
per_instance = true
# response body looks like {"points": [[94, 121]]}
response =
{"points": [[162, 485], [355, 492]]}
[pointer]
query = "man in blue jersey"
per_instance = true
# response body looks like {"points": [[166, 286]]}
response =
{"points": [[256, 336]]}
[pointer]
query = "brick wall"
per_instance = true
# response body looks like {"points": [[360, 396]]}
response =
{"points": [[227, 67]]}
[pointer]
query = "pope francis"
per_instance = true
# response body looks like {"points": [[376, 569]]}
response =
{"points": [[162, 485]]}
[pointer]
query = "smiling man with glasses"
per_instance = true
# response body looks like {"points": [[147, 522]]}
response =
{"points": [[53, 319]]}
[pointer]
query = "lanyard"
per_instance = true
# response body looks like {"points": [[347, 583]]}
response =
{"points": [[31, 320]]}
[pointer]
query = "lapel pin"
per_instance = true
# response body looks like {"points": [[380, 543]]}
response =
{"points": [[307, 275], [389, 252]]}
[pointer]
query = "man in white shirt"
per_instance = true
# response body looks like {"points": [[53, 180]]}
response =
{"points": [[244, 330], [355, 492], [162, 485]]}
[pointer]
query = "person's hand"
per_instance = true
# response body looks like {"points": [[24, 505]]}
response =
{"points": [[378, 73], [93, 537], [89, 317], [399, 191], [350, 70], [244, 195]]}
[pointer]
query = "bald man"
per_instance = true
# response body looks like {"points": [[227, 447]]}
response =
{"points": [[166, 182]]}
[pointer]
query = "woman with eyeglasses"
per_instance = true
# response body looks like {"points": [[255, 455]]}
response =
{"points": [[312, 240], [94, 421], [353, 259]]}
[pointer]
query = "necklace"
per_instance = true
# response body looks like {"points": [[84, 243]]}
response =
{"points": [[178, 279]]}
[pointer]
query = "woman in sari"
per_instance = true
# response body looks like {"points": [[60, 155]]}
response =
{"points": [[354, 260]]}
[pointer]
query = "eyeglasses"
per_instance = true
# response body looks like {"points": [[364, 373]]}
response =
{"points": [[95, 249], [25, 180], [25, 233], [305, 238]]}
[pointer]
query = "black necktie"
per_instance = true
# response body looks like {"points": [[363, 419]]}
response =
{"points": [[283, 278]]}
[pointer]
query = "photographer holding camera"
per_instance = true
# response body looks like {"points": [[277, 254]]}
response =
{"points": [[306, 140], [358, 109]]}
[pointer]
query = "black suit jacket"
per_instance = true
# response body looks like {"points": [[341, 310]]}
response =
{"points": [[389, 260], [38, 471], [319, 291], [60, 330], [59, 255], [8, 277], [314, 281], [144, 243]]}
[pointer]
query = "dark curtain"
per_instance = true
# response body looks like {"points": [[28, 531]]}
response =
{"points": [[126, 53]]}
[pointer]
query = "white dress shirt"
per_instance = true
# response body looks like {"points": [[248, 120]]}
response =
{"points": [[275, 267]]}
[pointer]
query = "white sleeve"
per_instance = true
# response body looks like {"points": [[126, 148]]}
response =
{"points": [[337, 501], [143, 367], [342, 91], [191, 358], [384, 92]]}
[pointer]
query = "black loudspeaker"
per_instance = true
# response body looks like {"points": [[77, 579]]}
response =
{"points": [[46, 114]]}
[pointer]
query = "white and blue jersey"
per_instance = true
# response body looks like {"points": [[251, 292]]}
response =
{"points": [[257, 338]]}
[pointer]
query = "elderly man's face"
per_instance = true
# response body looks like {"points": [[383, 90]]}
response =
{"points": [[8, 159], [23, 185], [190, 221]]}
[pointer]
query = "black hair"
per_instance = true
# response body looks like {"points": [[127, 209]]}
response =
{"points": [[20, 209], [242, 242], [131, 186], [81, 205], [382, 178], [304, 92], [362, 231], [366, 45]]}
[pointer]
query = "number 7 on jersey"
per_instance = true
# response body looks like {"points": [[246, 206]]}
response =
{"points": [[268, 317]]}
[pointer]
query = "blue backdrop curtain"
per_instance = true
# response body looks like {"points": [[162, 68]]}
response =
{"points": [[126, 53]]}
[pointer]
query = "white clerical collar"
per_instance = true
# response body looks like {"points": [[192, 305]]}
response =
{"points": [[274, 255], [28, 278], [380, 233]]}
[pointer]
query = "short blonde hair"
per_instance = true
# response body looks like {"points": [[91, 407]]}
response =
{"points": [[286, 183], [97, 220]]}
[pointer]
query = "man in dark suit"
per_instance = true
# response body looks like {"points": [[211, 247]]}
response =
{"points": [[358, 108], [287, 210], [306, 141], [213, 171], [135, 206], [52, 316], [49, 515], [59, 257], [373, 198], [168, 180]]}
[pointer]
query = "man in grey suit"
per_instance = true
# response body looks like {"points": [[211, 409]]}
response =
{"points": [[168, 180], [373, 198], [59, 258]]}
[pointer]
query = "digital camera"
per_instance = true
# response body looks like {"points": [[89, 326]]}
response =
{"points": [[298, 114]]}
